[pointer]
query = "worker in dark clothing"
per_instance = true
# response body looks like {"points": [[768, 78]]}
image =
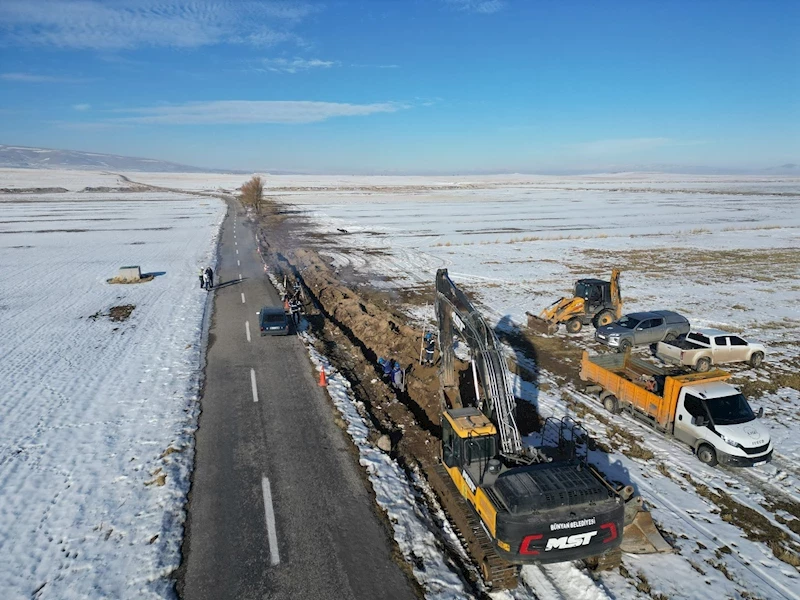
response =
{"points": [[209, 278], [430, 347], [295, 307], [398, 377], [386, 365]]}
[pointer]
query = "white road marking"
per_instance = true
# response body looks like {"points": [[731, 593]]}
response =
{"points": [[253, 384], [242, 297], [272, 534], [240, 276], [247, 329], [238, 263], [235, 243], [237, 252]]}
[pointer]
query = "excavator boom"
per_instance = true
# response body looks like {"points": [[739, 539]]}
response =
{"points": [[497, 401]]}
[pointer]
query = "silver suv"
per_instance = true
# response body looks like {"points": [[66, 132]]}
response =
{"points": [[642, 329]]}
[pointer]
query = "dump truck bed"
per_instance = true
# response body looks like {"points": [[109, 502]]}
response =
{"points": [[627, 376]]}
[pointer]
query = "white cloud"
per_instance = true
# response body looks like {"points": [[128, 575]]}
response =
{"points": [[293, 65], [81, 107], [34, 78], [231, 112], [126, 24], [477, 6]]}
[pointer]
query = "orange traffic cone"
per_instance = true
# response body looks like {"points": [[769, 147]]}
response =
{"points": [[323, 381]]}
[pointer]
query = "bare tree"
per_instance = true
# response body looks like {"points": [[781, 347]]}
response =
{"points": [[253, 193]]}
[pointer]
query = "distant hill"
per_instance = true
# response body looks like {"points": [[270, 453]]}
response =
{"points": [[22, 157]]}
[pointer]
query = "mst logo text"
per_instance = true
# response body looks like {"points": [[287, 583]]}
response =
{"points": [[570, 541]]}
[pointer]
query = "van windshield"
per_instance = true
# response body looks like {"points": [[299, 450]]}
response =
{"points": [[628, 322], [730, 410]]}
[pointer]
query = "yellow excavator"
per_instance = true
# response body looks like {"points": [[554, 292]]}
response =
{"points": [[517, 503], [595, 301]]}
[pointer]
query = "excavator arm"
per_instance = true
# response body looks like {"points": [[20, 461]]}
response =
{"points": [[616, 296], [457, 316]]}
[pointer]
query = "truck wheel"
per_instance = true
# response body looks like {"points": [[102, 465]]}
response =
{"points": [[611, 404], [670, 337], [574, 325], [624, 346], [653, 349], [703, 365], [603, 318], [707, 455], [756, 359]]}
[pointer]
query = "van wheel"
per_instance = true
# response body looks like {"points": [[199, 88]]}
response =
{"points": [[703, 365], [707, 455], [624, 346], [756, 359], [574, 325], [611, 404], [603, 318]]}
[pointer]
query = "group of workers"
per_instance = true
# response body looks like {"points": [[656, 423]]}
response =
{"points": [[394, 373], [206, 278], [294, 304]]}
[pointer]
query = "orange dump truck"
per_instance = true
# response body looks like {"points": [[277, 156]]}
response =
{"points": [[699, 409]]}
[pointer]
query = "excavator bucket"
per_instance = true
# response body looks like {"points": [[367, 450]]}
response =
{"points": [[642, 536], [541, 325]]}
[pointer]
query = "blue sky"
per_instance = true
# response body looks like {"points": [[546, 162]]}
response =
{"points": [[407, 85]]}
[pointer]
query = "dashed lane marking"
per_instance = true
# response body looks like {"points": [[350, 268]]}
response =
{"points": [[242, 297], [247, 329], [253, 384], [272, 534]]}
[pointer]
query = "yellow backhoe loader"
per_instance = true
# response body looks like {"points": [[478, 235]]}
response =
{"points": [[595, 301]]}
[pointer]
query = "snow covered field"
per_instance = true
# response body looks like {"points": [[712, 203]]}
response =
{"points": [[97, 416], [723, 250]]}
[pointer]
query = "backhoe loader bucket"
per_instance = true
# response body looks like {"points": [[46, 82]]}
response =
{"points": [[541, 325]]}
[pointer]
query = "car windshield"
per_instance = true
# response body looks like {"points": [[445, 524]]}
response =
{"points": [[274, 318], [730, 410], [628, 322]]}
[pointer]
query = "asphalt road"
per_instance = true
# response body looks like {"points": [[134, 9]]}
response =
{"points": [[278, 506]]}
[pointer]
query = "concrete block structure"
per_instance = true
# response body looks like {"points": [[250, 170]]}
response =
{"points": [[129, 273]]}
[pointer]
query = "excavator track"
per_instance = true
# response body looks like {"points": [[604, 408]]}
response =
{"points": [[497, 573]]}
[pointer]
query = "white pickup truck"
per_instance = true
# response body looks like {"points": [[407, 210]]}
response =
{"points": [[702, 348]]}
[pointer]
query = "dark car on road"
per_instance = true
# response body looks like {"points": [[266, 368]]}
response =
{"points": [[273, 321], [642, 329]]}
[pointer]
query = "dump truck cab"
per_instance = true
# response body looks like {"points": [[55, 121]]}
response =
{"points": [[717, 421], [540, 513]]}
